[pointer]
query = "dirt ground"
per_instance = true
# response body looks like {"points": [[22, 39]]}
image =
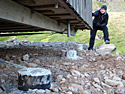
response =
{"points": [[68, 76]]}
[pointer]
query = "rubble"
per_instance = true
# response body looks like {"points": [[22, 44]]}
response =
{"points": [[74, 69], [72, 54], [26, 57], [113, 82]]}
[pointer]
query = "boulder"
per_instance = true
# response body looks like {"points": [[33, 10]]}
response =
{"points": [[106, 49]]}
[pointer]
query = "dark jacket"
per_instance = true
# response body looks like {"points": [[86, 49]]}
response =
{"points": [[100, 19]]}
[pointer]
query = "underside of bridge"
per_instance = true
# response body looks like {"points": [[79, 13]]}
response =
{"points": [[39, 15]]}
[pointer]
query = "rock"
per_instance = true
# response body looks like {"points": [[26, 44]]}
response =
{"points": [[120, 85], [72, 55], [66, 63], [99, 37], [97, 86], [85, 46], [84, 92], [1, 91], [119, 91], [75, 73], [79, 47], [69, 92], [15, 92], [96, 80], [86, 74], [68, 76], [2, 80], [63, 81], [102, 66], [118, 54], [106, 49], [13, 39], [123, 76], [12, 61], [26, 57], [105, 85], [2, 65], [37, 61], [31, 65], [119, 58], [54, 88], [116, 78], [113, 82], [32, 91], [47, 91], [75, 88], [83, 68], [59, 77], [7, 58], [40, 91]]}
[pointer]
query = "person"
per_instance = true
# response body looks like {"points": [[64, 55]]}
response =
{"points": [[99, 23]]}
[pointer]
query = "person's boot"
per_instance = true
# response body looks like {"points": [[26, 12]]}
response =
{"points": [[90, 50], [107, 42]]}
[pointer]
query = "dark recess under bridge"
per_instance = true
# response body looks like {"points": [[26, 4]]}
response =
{"points": [[62, 16]]}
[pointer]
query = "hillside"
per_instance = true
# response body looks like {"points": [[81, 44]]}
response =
{"points": [[116, 29]]}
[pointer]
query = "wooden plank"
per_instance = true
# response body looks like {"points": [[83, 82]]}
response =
{"points": [[66, 14], [43, 6], [35, 2], [32, 30], [12, 11], [15, 27], [9, 25], [63, 3], [24, 29], [46, 11], [84, 9], [18, 34]]}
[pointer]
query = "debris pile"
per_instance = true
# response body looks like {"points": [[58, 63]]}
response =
{"points": [[74, 69]]}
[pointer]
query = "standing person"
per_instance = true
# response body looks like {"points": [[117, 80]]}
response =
{"points": [[99, 23]]}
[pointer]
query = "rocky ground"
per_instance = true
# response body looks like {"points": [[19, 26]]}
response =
{"points": [[74, 69]]}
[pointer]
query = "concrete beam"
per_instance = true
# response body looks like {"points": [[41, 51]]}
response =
{"points": [[13, 11]]}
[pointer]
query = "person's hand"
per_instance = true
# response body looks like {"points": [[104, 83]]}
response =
{"points": [[92, 14]]}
